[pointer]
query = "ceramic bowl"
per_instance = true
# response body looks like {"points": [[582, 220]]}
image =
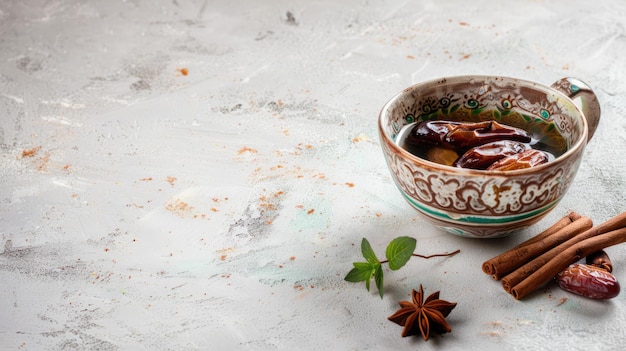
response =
{"points": [[481, 203]]}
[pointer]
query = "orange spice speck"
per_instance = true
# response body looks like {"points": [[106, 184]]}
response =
{"points": [[30, 152], [43, 162], [246, 149], [351, 185], [171, 180], [310, 211]]}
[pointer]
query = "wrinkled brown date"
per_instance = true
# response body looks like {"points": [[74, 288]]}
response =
{"points": [[483, 156], [525, 159], [461, 136], [588, 281]]}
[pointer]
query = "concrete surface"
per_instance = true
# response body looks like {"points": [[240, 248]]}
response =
{"points": [[198, 175]]}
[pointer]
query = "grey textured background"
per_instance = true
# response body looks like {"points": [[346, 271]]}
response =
{"points": [[142, 208]]}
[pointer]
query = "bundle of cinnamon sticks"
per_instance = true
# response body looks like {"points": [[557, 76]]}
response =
{"points": [[534, 262]]}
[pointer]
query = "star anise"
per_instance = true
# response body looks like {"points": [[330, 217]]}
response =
{"points": [[423, 317]]}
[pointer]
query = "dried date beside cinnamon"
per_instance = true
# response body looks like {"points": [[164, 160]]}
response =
{"points": [[461, 136], [481, 157], [600, 259], [588, 281]]}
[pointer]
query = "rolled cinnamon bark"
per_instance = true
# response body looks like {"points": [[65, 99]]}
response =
{"points": [[520, 274], [514, 258], [569, 218], [565, 258]]}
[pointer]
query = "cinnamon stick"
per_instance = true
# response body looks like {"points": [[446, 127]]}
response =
{"points": [[560, 232], [569, 218], [567, 257], [518, 275]]}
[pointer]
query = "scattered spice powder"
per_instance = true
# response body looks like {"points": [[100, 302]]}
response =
{"points": [[246, 149], [361, 137], [43, 162], [179, 207], [171, 180], [30, 152]]}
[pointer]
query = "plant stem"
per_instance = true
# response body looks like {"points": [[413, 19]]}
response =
{"points": [[430, 256], [438, 255]]}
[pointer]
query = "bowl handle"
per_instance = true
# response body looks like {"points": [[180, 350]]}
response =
{"points": [[582, 95]]}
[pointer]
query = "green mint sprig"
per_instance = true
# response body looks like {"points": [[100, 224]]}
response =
{"points": [[398, 253]]}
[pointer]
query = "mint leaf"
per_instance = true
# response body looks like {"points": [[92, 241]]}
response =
{"points": [[368, 253], [399, 251], [378, 278], [362, 271]]}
